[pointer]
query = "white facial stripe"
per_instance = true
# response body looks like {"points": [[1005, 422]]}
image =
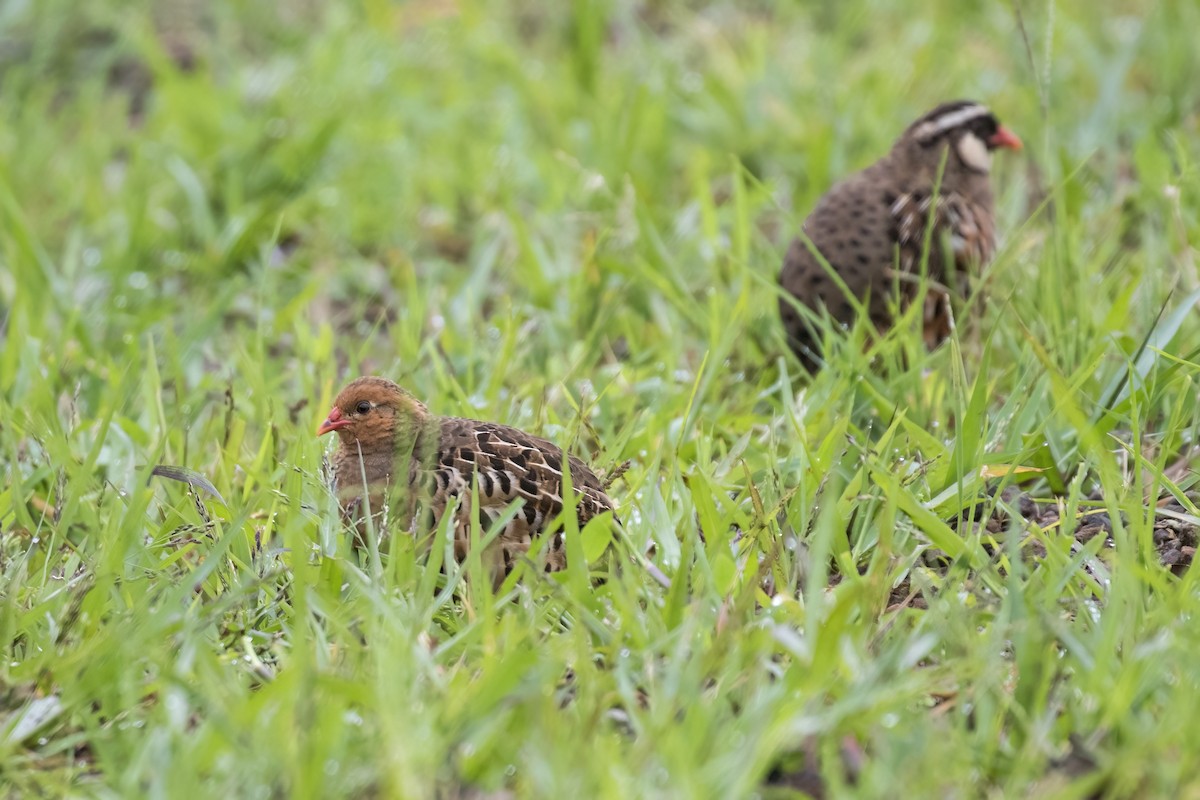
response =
{"points": [[941, 124], [974, 153]]}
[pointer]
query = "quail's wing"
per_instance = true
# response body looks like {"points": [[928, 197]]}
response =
{"points": [[852, 228], [510, 465], [967, 228]]}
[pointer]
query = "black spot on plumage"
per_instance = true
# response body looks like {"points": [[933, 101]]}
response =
{"points": [[447, 459], [483, 436], [467, 455], [529, 487], [505, 483], [554, 462], [485, 483], [530, 513], [518, 459]]}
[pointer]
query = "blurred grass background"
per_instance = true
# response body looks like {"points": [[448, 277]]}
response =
{"points": [[569, 217]]}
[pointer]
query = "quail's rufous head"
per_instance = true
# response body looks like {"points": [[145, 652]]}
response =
{"points": [[370, 411]]}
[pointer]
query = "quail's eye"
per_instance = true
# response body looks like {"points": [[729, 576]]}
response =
{"points": [[363, 407]]}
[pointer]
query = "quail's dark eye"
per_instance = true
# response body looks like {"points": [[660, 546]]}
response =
{"points": [[985, 127], [363, 407]]}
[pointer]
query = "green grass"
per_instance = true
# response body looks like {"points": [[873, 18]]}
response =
{"points": [[569, 217]]}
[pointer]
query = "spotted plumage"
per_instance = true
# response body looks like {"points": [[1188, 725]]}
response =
{"points": [[384, 432], [872, 227]]}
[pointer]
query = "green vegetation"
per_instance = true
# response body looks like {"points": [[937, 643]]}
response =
{"points": [[569, 217]]}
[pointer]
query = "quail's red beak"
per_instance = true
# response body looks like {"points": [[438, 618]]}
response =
{"points": [[1003, 137], [334, 421]]}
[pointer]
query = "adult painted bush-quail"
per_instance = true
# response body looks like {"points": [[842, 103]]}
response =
{"points": [[394, 454], [871, 227]]}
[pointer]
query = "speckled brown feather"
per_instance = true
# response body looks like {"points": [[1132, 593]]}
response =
{"points": [[444, 456], [871, 228]]}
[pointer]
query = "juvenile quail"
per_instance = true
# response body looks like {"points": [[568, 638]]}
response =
{"points": [[394, 454], [871, 227]]}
